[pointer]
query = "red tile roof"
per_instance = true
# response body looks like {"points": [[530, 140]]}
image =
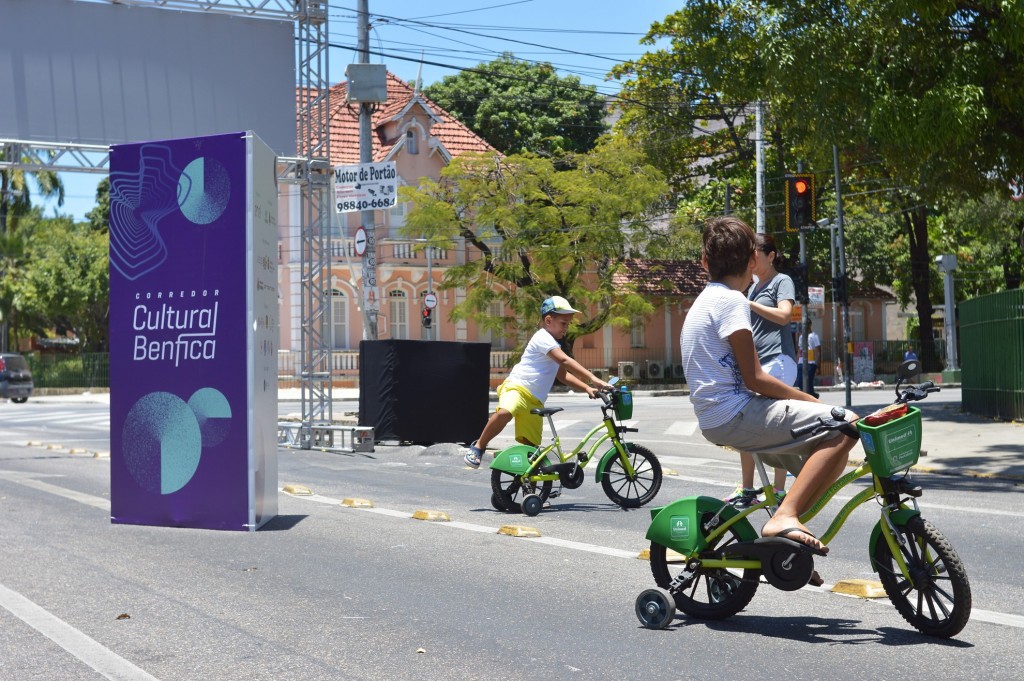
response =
{"points": [[344, 124], [663, 277]]}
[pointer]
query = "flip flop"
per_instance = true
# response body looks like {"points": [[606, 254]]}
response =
{"points": [[789, 530]]}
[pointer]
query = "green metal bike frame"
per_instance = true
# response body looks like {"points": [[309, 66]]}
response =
{"points": [[555, 449], [884, 527]]}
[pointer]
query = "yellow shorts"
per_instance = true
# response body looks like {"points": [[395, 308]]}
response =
{"points": [[518, 401]]}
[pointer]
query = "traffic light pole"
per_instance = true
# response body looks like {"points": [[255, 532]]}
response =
{"points": [[842, 273], [804, 317]]}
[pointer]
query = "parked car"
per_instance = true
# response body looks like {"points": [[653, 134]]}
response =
{"points": [[15, 377]]}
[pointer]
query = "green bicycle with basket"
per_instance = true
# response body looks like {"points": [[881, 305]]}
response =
{"points": [[707, 558], [523, 477]]}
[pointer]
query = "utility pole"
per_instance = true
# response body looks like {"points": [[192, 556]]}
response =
{"points": [[759, 146], [805, 309], [947, 263], [842, 274], [370, 298]]}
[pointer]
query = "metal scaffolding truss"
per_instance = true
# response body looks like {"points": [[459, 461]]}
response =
{"points": [[310, 170]]}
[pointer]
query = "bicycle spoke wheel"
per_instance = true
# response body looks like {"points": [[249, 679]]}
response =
{"points": [[510, 489], [713, 594], [633, 491], [937, 599]]}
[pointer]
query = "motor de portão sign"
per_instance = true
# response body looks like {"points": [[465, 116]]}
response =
{"points": [[365, 186]]}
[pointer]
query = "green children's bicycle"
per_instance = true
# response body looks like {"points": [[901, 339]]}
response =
{"points": [[523, 477], [708, 560]]}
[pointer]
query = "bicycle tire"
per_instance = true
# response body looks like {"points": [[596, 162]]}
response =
{"points": [[725, 592], [635, 491], [510, 489], [941, 605]]}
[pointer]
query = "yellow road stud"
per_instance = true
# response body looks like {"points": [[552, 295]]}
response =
{"points": [[861, 588], [519, 531], [670, 556], [298, 490], [435, 516], [356, 503]]}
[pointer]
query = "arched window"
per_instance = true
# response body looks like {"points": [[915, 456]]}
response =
{"points": [[398, 314], [339, 320], [412, 143]]}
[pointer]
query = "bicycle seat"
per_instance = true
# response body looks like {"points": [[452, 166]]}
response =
{"points": [[546, 411]]}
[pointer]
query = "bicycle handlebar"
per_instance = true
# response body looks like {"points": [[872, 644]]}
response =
{"points": [[838, 421]]}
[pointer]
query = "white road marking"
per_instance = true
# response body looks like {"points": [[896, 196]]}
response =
{"points": [[106, 662], [682, 428], [978, 615], [87, 499]]}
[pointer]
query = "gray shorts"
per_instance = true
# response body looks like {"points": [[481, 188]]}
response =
{"points": [[763, 426]]}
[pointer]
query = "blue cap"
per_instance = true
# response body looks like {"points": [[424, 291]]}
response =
{"points": [[556, 305]]}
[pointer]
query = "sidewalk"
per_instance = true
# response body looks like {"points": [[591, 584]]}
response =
{"points": [[954, 442]]}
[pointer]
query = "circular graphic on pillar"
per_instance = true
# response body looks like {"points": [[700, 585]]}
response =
{"points": [[203, 190], [162, 442], [213, 413]]}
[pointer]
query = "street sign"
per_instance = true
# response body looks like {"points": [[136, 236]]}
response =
{"points": [[360, 240], [816, 296], [365, 186], [430, 301], [371, 299]]}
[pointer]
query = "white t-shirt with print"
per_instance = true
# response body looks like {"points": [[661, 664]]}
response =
{"points": [[536, 371], [717, 390]]}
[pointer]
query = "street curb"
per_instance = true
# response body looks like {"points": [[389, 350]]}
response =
{"points": [[1012, 477]]}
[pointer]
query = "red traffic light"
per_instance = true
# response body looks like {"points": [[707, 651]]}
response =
{"points": [[799, 201]]}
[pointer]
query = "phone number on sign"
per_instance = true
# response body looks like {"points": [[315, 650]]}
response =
{"points": [[364, 204]]}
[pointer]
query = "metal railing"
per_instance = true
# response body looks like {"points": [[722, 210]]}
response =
{"points": [[873, 360]]}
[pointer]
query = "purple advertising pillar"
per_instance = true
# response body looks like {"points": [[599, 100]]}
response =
{"points": [[193, 332]]}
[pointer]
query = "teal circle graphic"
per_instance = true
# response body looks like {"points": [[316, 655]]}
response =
{"points": [[203, 190], [162, 442], [213, 413]]}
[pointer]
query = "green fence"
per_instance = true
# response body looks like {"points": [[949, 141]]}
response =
{"points": [[83, 370], [992, 354]]}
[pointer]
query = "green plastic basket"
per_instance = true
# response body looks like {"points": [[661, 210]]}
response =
{"points": [[895, 446], [623, 400]]}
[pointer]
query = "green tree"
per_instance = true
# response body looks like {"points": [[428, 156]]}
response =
{"points": [[519, 106], [16, 192], [12, 262], [65, 282], [99, 217], [922, 97], [532, 229]]}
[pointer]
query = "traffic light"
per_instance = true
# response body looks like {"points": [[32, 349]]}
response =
{"points": [[428, 317], [799, 276], [799, 201], [839, 288]]}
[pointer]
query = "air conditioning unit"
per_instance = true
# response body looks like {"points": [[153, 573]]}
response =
{"points": [[677, 371], [601, 373], [627, 370], [654, 369]]}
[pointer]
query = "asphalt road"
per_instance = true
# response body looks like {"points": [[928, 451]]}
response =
{"points": [[326, 591]]}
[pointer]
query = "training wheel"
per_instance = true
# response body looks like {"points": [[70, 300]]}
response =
{"points": [[532, 504], [655, 608]]}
